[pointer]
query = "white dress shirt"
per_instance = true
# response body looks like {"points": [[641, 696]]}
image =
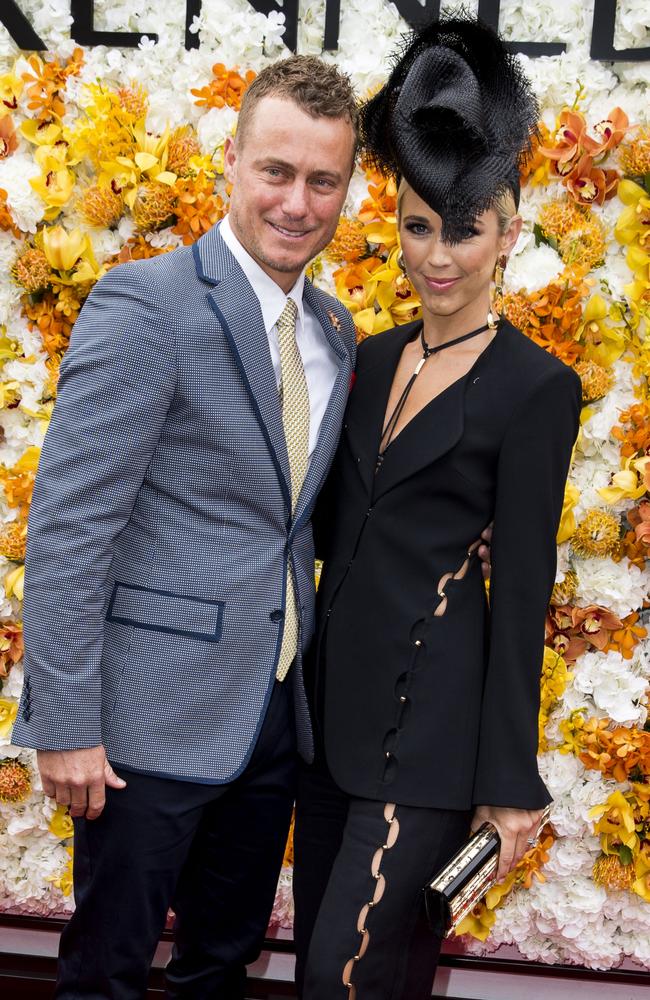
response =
{"points": [[318, 358]]}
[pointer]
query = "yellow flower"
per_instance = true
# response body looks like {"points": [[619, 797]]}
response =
{"points": [[15, 781], [11, 87], [15, 583], [597, 534], [568, 521], [55, 186], [478, 923], [603, 343], [641, 885], [617, 823], [632, 224], [8, 713], [41, 133], [71, 254], [28, 461], [628, 484], [61, 823], [63, 881]]}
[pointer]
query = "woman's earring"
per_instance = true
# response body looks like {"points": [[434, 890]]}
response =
{"points": [[499, 270], [401, 263]]}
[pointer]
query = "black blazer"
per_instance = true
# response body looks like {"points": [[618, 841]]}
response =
{"points": [[428, 698]]}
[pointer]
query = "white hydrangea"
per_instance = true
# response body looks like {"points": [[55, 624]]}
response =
{"points": [[532, 268], [622, 587], [25, 205], [614, 685]]}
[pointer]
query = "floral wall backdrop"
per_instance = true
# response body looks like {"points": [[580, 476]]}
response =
{"points": [[112, 154]]}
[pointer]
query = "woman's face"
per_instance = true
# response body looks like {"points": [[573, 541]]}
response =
{"points": [[451, 278]]}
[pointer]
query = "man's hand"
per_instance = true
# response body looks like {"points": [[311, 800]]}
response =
{"points": [[516, 828], [78, 778], [484, 552]]}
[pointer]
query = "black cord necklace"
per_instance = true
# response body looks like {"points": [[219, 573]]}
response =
{"points": [[427, 351]]}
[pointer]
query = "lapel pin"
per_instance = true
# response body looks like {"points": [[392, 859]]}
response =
{"points": [[334, 320]]}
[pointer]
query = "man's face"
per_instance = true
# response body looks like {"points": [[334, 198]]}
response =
{"points": [[290, 175]]}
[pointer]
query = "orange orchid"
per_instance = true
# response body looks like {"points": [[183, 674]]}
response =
{"points": [[624, 639], [571, 631], [382, 203], [571, 142], [612, 130], [591, 185], [639, 518], [11, 647], [227, 88], [6, 219], [8, 137]]}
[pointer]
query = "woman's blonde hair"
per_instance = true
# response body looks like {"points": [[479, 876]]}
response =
{"points": [[504, 204]]}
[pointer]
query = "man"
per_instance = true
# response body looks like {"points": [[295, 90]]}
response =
{"points": [[169, 587]]}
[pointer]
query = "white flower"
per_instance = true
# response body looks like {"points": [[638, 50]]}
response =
{"points": [[25, 205], [533, 268], [621, 587], [617, 689]]}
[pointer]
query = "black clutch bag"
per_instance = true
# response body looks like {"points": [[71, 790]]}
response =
{"points": [[464, 881]]}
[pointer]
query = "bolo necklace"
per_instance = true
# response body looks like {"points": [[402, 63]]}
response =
{"points": [[389, 430]]}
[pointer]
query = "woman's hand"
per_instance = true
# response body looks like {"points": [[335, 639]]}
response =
{"points": [[515, 828]]}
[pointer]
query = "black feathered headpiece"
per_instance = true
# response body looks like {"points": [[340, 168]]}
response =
{"points": [[455, 119]]}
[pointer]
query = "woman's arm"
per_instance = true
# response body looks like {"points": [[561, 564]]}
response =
{"points": [[532, 470]]}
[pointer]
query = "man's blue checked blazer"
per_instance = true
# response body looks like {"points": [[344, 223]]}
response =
{"points": [[161, 525]]}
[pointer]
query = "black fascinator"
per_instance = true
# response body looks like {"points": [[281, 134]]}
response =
{"points": [[455, 119]]}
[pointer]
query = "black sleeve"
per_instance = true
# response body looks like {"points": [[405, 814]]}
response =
{"points": [[531, 477]]}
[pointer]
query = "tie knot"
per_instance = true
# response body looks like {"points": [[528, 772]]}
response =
{"points": [[287, 321]]}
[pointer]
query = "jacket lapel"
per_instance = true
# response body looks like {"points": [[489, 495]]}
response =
{"points": [[330, 428], [237, 308], [364, 419]]}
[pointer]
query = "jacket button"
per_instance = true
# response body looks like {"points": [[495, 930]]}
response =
{"points": [[277, 615]]}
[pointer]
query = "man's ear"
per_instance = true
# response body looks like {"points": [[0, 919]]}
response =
{"points": [[229, 158]]}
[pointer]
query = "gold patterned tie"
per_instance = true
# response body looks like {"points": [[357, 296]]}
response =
{"points": [[294, 397]]}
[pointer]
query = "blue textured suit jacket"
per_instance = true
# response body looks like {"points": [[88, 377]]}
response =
{"points": [[160, 526]]}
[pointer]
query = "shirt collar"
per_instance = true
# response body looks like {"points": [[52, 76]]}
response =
{"points": [[271, 298]]}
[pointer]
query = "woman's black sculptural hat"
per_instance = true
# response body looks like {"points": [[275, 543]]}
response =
{"points": [[456, 119]]}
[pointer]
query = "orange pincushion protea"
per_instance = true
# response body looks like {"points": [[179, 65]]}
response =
{"points": [[183, 145], [154, 205], [133, 100], [610, 872], [596, 380], [349, 244], [32, 270], [15, 781], [597, 534], [634, 155], [13, 538], [102, 206]]}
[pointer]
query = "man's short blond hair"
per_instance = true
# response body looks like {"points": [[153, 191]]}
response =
{"points": [[319, 88]]}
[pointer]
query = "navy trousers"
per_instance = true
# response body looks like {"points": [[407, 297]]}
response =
{"points": [[211, 852]]}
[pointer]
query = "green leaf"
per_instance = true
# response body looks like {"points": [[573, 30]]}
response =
{"points": [[625, 854]]}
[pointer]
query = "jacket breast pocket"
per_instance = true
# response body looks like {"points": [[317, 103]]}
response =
{"points": [[165, 611]]}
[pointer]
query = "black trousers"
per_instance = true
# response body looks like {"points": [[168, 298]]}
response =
{"points": [[212, 852], [360, 866]]}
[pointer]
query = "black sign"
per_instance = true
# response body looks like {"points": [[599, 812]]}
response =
{"points": [[413, 12]]}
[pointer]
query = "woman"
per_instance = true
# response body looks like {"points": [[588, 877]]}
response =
{"points": [[426, 704]]}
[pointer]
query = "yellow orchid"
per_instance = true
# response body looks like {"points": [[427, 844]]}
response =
{"points": [[478, 923], [28, 461], [567, 521], [628, 484], [638, 260], [63, 880], [9, 394], [617, 824], [8, 348], [381, 233], [356, 288], [41, 133], [60, 824], [11, 87], [15, 583], [70, 252], [8, 713], [634, 221], [641, 885], [603, 344], [55, 186]]}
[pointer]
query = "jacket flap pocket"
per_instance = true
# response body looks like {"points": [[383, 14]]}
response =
{"points": [[164, 611]]}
